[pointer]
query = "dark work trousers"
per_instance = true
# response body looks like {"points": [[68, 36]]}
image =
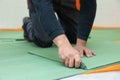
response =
{"points": [[44, 26]]}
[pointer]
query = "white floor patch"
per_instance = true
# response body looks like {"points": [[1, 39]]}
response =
{"points": [[97, 76]]}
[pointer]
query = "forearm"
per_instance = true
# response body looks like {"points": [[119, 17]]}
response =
{"points": [[86, 19], [81, 42], [61, 40]]}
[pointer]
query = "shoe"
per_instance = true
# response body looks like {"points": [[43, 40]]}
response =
{"points": [[26, 20]]}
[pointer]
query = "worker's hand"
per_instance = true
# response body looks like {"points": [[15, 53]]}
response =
{"points": [[83, 50], [69, 56]]}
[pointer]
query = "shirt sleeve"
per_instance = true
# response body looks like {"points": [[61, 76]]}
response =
{"points": [[86, 18]]}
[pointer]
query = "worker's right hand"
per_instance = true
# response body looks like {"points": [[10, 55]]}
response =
{"points": [[69, 56]]}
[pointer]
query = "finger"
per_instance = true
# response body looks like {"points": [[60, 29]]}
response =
{"points": [[71, 62], [81, 52], [88, 53], [66, 62], [62, 58], [77, 61], [93, 53]]}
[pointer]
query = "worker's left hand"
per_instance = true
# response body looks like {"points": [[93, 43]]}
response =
{"points": [[84, 51]]}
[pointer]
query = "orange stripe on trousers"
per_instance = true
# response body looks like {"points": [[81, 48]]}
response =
{"points": [[78, 5]]}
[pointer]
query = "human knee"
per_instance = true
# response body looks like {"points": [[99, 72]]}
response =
{"points": [[43, 44]]}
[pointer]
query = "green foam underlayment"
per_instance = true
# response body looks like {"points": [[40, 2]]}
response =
{"points": [[105, 54], [21, 60], [17, 64]]}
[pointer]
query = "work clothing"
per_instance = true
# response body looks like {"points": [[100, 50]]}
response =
{"points": [[44, 25]]}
